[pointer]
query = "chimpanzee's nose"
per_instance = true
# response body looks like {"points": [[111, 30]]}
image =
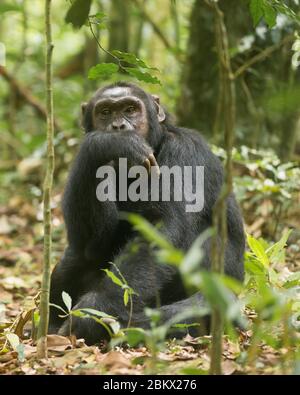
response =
{"points": [[118, 124]]}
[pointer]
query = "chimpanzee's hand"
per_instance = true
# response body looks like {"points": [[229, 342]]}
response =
{"points": [[111, 146], [137, 151]]}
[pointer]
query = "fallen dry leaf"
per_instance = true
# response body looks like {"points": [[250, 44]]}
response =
{"points": [[58, 343]]}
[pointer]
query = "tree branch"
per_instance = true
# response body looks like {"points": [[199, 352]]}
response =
{"points": [[262, 55]]}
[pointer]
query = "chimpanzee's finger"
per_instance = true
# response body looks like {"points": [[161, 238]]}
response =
{"points": [[147, 164], [153, 162]]}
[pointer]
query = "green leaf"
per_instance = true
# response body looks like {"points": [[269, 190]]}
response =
{"points": [[113, 278], [270, 14], [263, 9], [126, 297], [258, 250], [256, 10], [215, 292], [275, 251], [67, 300], [292, 281], [255, 267], [142, 76], [99, 20], [194, 255], [134, 336], [98, 15], [58, 307], [78, 13], [102, 71], [91, 313], [131, 59]]}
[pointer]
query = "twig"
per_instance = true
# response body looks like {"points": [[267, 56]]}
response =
{"points": [[262, 55]]}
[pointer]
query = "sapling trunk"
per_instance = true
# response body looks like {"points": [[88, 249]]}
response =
{"points": [[227, 89], [44, 299]]}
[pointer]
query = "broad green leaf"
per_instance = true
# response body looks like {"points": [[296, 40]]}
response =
{"points": [[99, 15], [255, 267], [78, 13], [256, 10], [131, 59], [113, 278], [134, 336], [126, 297], [258, 250], [102, 71], [99, 20], [67, 300], [194, 256], [292, 281], [215, 292], [270, 14], [274, 252], [142, 75]]}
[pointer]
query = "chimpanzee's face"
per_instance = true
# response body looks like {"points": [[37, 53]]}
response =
{"points": [[118, 110]]}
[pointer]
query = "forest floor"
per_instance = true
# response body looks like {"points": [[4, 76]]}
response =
{"points": [[21, 256]]}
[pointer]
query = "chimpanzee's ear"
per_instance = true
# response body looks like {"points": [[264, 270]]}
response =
{"points": [[83, 110], [160, 111]]}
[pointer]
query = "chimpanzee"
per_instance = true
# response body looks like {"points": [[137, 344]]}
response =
{"points": [[123, 121]]}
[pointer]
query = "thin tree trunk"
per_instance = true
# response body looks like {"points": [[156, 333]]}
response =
{"points": [[220, 209], [44, 302], [119, 25], [139, 34]]}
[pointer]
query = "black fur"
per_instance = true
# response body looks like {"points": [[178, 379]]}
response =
{"points": [[97, 236]]}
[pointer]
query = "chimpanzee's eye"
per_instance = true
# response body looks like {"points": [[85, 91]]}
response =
{"points": [[130, 110], [105, 111]]}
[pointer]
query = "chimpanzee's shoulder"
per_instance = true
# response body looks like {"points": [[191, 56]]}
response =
{"points": [[187, 136]]}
